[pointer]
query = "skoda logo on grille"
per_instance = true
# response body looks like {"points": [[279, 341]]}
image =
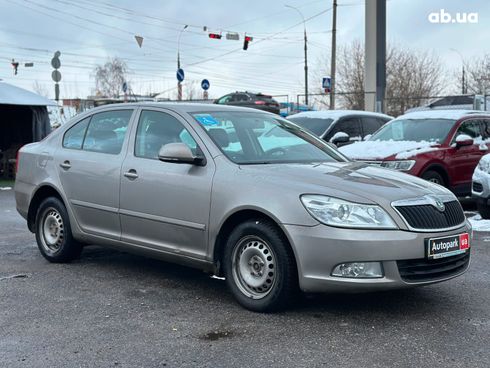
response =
{"points": [[437, 203]]}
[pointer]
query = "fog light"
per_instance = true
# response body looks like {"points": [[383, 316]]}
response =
{"points": [[359, 270]]}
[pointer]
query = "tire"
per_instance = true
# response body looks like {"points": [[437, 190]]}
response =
{"points": [[259, 266], [53, 232], [484, 210], [434, 177]]}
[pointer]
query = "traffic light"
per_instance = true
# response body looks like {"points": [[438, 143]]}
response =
{"points": [[215, 36], [15, 65], [246, 40]]}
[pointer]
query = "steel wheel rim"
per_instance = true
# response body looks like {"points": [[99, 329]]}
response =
{"points": [[254, 267], [51, 230]]}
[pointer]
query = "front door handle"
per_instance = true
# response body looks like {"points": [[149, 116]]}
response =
{"points": [[65, 165], [131, 174]]}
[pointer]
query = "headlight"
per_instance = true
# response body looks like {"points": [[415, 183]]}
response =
{"points": [[404, 165], [337, 212], [484, 165]]}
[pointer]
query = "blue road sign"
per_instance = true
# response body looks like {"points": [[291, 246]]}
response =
{"points": [[205, 84], [326, 83], [125, 87], [180, 75]]}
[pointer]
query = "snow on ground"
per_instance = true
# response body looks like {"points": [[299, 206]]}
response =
{"points": [[479, 224], [373, 150]]}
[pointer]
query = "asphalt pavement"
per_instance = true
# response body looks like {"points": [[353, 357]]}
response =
{"points": [[112, 309]]}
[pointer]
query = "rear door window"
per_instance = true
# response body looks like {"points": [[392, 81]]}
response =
{"points": [[106, 131]]}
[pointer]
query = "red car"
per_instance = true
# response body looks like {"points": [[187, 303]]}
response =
{"points": [[442, 146]]}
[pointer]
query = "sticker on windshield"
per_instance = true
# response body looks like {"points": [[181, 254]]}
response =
{"points": [[206, 119]]}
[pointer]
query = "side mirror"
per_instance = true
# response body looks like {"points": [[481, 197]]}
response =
{"points": [[339, 138], [463, 140], [367, 137], [180, 153]]}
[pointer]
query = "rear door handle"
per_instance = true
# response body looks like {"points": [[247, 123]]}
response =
{"points": [[131, 174], [65, 165]]}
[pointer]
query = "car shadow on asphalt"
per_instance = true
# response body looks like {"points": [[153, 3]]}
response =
{"points": [[421, 301]]}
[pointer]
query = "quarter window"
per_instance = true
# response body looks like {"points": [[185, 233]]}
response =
{"points": [[73, 137], [106, 131], [156, 129]]}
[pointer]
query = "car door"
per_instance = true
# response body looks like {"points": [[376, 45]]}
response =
{"points": [[463, 160], [349, 125], [89, 166], [165, 205]]}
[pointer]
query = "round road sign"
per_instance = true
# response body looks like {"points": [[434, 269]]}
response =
{"points": [[205, 84], [56, 75]]}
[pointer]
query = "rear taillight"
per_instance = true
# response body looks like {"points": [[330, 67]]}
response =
{"points": [[259, 102]]}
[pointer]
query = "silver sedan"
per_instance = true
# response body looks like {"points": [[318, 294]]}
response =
{"points": [[239, 193]]}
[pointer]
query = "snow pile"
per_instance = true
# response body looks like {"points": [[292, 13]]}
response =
{"points": [[373, 150], [442, 114], [479, 224]]}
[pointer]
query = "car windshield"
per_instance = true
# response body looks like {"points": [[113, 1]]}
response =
{"points": [[315, 125], [430, 130], [258, 138]]}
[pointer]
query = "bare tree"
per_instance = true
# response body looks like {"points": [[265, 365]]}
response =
{"points": [[40, 89], [411, 77], [478, 76], [110, 77]]}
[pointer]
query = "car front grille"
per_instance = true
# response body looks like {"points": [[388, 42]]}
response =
{"points": [[420, 270], [427, 217], [477, 187]]}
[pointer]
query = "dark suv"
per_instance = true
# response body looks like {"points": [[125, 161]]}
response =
{"points": [[248, 99]]}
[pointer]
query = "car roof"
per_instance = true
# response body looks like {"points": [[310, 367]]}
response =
{"points": [[182, 107], [443, 114], [337, 114]]}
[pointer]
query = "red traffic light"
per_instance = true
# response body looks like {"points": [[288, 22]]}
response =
{"points": [[215, 35], [246, 40]]}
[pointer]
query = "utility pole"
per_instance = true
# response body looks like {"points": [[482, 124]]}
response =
{"points": [[306, 51], [179, 83], [333, 56]]}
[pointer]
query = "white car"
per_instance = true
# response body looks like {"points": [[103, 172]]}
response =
{"points": [[340, 127], [481, 186]]}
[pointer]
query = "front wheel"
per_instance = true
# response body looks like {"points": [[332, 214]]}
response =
{"points": [[53, 233], [259, 266], [434, 177]]}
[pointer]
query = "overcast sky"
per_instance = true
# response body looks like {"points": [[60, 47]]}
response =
{"points": [[89, 32]]}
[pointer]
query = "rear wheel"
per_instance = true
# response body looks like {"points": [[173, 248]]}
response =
{"points": [[434, 177], [259, 266], [53, 232], [484, 210]]}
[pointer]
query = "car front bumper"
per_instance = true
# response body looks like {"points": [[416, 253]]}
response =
{"points": [[319, 249], [480, 188]]}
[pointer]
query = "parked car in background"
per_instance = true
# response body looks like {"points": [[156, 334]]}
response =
{"points": [[481, 186], [250, 99], [340, 127], [442, 146], [271, 208]]}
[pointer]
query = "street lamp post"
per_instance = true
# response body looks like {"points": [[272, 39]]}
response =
{"points": [[463, 82], [179, 83], [306, 51]]}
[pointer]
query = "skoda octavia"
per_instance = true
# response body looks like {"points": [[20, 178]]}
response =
{"points": [[239, 193]]}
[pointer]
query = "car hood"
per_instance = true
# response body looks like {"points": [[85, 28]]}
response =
{"points": [[379, 150], [353, 181]]}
